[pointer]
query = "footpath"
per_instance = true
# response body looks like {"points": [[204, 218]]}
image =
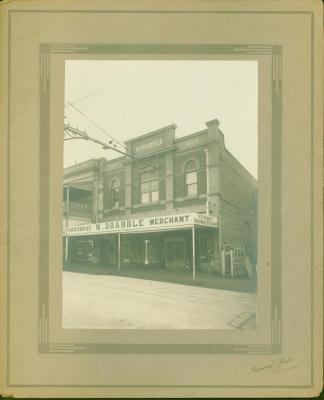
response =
{"points": [[203, 279]]}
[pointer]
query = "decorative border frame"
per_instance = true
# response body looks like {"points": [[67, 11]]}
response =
{"points": [[275, 53], [44, 345]]}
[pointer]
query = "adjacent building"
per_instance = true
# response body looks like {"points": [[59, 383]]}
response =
{"points": [[176, 203]]}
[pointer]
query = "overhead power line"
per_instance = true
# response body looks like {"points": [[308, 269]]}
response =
{"points": [[87, 96], [71, 133], [97, 125]]}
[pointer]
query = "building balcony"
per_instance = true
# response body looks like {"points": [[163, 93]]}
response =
{"points": [[78, 208]]}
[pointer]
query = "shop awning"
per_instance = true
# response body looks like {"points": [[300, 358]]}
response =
{"points": [[138, 225]]}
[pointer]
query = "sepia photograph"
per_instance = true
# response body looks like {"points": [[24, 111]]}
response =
{"points": [[160, 194], [162, 199]]}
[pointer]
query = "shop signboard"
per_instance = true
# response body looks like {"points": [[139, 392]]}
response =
{"points": [[202, 219], [156, 223]]}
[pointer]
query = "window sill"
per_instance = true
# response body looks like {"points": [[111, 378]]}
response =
{"points": [[191, 197], [108, 210], [153, 203]]}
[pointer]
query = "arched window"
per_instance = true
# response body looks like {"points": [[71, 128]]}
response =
{"points": [[115, 186], [191, 178]]}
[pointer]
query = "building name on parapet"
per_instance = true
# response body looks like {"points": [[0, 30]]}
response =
{"points": [[148, 146]]}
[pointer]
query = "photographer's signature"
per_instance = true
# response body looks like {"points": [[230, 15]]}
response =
{"points": [[278, 365]]}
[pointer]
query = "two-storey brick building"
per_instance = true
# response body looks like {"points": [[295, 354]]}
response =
{"points": [[175, 203]]}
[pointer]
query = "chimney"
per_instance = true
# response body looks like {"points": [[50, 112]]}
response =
{"points": [[214, 133]]}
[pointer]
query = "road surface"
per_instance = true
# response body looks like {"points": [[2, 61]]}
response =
{"points": [[114, 302]]}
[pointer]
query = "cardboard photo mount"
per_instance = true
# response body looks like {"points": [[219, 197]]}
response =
{"points": [[283, 356]]}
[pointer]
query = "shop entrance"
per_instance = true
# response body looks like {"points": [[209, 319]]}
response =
{"points": [[109, 250], [227, 260], [175, 253], [228, 264]]}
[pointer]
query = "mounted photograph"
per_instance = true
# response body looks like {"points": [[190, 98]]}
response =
{"points": [[160, 194]]}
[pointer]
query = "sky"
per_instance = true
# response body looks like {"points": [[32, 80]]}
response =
{"points": [[128, 98]]}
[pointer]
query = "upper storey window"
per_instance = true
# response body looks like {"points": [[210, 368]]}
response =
{"points": [[149, 187], [191, 178], [115, 190]]}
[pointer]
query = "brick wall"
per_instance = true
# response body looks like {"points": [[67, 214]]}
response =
{"points": [[238, 203]]}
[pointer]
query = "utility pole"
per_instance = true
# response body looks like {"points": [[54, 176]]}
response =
{"points": [[207, 182], [193, 254]]}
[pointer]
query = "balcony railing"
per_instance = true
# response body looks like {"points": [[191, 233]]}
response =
{"points": [[78, 208]]}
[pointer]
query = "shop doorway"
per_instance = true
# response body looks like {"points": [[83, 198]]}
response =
{"points": [[228, 263], [109, 251], [206, 250], [175, 253], [227, 260]]}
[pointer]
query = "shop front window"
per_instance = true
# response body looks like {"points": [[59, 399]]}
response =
{"points": [[191, 178], [149, 188], [115, 186]]}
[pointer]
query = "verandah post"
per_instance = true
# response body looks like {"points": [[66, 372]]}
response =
{"points": [[118, 251], [67, 223], [193, 254]]}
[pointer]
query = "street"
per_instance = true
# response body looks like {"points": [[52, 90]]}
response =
{"points": [[115, 302]]}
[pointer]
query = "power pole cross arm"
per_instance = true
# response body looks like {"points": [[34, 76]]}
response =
{"points": [[71, 133]]}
